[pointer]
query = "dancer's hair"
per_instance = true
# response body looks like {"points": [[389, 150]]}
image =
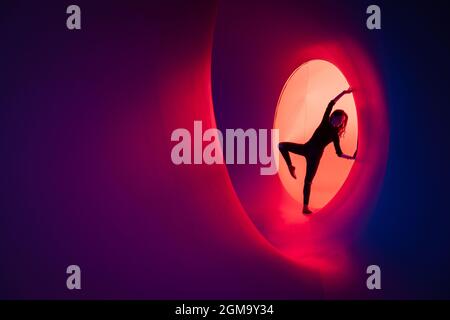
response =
{"points": [[338, 120]]}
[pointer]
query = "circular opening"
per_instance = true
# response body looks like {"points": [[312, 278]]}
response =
{"points": [[300, 109]]}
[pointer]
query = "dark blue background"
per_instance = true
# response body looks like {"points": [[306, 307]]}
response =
{"points": [[409, 232]]}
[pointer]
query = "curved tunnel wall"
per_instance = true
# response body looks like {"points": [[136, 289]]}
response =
{"points": [[249, 69]]}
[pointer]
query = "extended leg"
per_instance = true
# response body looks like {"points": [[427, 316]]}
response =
{"points": [[311, 168]]}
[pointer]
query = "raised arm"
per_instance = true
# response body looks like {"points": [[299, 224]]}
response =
{"points": [[333, 102], [349, 90]]}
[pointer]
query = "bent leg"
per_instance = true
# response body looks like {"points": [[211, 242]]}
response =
{"points": [[286, 147]]}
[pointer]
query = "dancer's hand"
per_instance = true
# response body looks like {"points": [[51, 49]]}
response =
{"points": [[346, 156], [349, 90], [340, 95]]}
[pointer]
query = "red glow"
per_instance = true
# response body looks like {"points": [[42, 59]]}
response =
{"points": [[321, 241]]}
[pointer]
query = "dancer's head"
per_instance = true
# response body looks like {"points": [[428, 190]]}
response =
{"points": [[338, 120]]}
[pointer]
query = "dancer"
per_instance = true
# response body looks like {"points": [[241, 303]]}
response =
{"points": [[331, 129]]}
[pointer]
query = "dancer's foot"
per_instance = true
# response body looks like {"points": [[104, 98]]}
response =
{"points": [[306, 209], [292, 172]]}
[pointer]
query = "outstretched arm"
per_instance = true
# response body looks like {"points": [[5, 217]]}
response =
{"points": [[346, 156], [333, 102], [340, 95], [339, 152]]}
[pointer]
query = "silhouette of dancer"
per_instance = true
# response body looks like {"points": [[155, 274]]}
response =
{"points": [[331, 128]]}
